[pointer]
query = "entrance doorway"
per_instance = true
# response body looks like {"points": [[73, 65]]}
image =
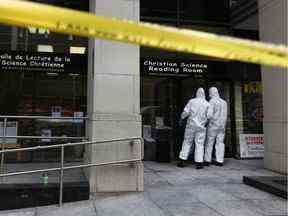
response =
{"points": [[162, 102]]}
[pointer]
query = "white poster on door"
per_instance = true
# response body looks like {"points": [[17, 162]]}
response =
{"points": [[251, 145], [56, 111], [46, 133], [78, 115]]}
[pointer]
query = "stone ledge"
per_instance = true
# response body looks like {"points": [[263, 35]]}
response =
{"points": [[275, 185], [114, 117]]}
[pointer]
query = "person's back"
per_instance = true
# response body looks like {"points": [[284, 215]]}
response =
{"points": [[197, 109], [197, 112], [219, 115]]}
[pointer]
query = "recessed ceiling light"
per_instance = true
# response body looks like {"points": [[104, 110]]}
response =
{"points": [[77, 50], [44, 48]]}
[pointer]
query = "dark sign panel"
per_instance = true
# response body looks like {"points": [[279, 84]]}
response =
{"points": [[173, 68], [182, 68], [46, 62]]}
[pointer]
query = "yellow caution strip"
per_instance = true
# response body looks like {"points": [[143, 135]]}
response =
{"points": [[28, 14]]}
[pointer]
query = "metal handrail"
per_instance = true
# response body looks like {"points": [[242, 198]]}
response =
{"points": [[41, 137], [4, 137], [62, 168], [69, 144], [39, 117], [62, 146]]}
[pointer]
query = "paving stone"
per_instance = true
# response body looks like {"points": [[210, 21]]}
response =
{"points": [[193, 209], [256, 164], [270, 207], [207, 193], [170, 191], [233, 208], [264, 172], [83, 208], [176, 178], [154, 180], [187, 175], [171, 196], [233, 176], [155, 166], [127, 205], [246, 192], [19, 212]]}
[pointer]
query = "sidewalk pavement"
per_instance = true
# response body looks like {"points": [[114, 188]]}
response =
{"points": [[173, 191]]}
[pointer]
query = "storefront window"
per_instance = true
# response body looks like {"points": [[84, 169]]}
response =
{"points": [[38, 88], [43, 73], [252, 107], [249, 119]]}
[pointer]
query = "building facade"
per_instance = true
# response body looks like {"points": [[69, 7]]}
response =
{"points": [[129, 91], [269, 17]]}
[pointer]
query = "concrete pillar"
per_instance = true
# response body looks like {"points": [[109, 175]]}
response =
{"points": [[273, 28], [114, 104]]}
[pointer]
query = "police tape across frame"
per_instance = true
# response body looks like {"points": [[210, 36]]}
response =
{"points": [[68, 21]]}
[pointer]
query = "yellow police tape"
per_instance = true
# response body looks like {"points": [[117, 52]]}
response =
{"points": [[28, 14]]}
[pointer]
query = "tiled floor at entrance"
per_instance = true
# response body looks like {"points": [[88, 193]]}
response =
{"points": [[169, 190]]}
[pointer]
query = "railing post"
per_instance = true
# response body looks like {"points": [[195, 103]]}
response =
{"points": [[61, 177], [3, 146]]}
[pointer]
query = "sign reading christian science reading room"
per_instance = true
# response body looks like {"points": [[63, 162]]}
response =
{"points": [[174, 68], [48, 62]]}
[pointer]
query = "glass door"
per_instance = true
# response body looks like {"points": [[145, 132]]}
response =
{"points": [[158, 113], [162, 102]]}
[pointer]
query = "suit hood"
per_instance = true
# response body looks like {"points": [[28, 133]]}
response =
{"points": [[200, 93], [213, 92]]}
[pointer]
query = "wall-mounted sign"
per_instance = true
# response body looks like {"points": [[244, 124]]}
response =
{"points": [[251, 145], [174, 68], [48, 62]]}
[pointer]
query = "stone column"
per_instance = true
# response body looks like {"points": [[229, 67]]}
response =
{"points": [[114, 104], [273, 28]]}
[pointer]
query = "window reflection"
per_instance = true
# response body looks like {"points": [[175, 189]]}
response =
{"points": [[43, 94]]}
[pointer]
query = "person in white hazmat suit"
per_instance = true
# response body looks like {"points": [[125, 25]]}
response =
{"points": [[217, 114], [196, 110]]}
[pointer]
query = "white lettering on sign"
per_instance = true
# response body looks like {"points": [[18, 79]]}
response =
{"points": [[192, 65], [188, 70], [163, 69], [13, 63], [46, 64], [6, 56], [38, 58], [33, 61], [156, 66], [160, 64]]}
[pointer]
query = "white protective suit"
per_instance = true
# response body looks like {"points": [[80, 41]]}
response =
{"points": [[217, 115], [196, 110]]}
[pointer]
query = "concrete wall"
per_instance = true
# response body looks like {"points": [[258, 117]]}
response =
{"points": [[273, 28], [114, 104]]}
